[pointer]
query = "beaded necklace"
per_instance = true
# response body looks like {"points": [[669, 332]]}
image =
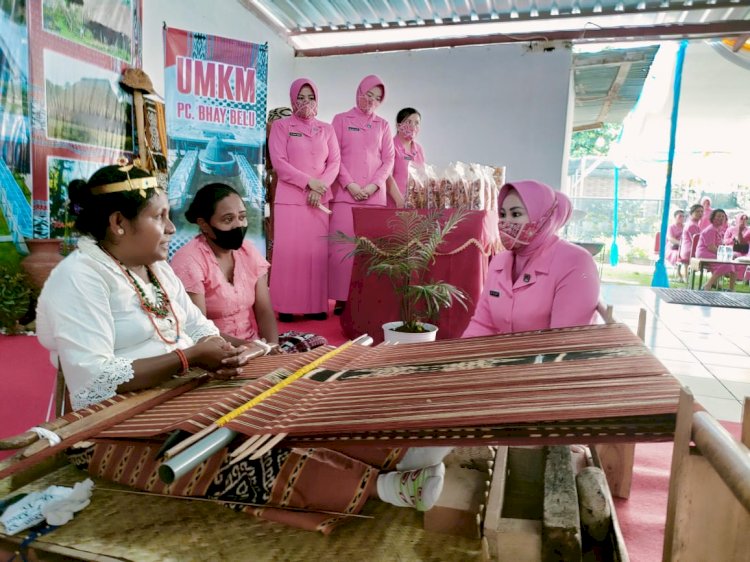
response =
{"points": [[162, 308]]}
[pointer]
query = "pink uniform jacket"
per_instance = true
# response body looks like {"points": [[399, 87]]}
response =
{"points": [[402, 160], [731, 234], [675, 231], [366, 154], [312, 147], [559, 287], [709, 236], [690, 230]]}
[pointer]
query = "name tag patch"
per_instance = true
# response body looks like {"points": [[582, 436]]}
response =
{"points": [[295, 134], [353, 128], [494, 293]]}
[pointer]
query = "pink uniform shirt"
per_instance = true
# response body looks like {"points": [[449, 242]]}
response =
{"points": [[675, 231], [731, 234], [692, 229], [229, 305], [402, 160], [366, 147], [709, 236], [301, 149], [556, 282], [559, 287]]}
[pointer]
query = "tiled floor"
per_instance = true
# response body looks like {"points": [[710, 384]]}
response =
{"points": [[706, 348]]}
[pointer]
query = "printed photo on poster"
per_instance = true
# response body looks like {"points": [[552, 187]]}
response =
{"points": [[15, 137], [215, 109], [85, 104], [104, 25], [60, 172]]}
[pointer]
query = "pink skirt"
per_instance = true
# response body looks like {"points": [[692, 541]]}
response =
{"points": [[299, 273]]}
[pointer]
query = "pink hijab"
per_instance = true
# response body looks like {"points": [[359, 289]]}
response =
{"points": [[297, 85], [538, 198], [367, 84]]}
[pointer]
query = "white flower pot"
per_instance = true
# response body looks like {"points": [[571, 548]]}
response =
{"points": [[391, 336]]}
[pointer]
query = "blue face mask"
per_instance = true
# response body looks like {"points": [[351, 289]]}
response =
{"points": [[229, 239]]}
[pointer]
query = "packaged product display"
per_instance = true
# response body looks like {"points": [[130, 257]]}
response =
{"points": [[459, 185]]}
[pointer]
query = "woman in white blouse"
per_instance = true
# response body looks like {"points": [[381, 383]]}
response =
{"points": [[116, 318], [112, 314]]}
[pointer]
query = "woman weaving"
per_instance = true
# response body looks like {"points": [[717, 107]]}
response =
{"points": [[116, 318]]}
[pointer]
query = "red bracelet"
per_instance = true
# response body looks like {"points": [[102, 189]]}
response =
{"points": [[183, 361]]}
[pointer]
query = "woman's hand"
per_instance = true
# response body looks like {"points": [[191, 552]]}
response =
{"points": [[317, 186], [216, 355], [313, 198], [356, 191], [370, 189], [398, 199]]}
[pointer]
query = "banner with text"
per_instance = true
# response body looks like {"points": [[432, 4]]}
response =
{"points": [[216, 91]]}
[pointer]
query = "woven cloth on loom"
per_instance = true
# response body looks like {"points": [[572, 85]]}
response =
{"points": [[591, 383]]}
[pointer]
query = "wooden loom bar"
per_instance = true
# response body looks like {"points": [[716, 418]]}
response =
{"points": [[93, 424], [730, 460]]}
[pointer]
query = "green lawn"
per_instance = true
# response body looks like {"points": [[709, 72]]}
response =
{"points": [[634, 274]]}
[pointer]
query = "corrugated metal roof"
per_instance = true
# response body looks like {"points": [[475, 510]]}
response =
{"points": [[320, 27], [608, 83]]}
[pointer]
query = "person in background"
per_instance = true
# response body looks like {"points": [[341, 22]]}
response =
{"points": [[707, 210], [674, 237], [407, 151], [367, 158], [738, 236], [709, 241], [224, 275], [306, 158], [541, 281], [689, 232]]}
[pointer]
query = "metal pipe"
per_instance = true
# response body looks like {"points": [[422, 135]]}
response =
{"points": [[185, 461], [181, 464]]}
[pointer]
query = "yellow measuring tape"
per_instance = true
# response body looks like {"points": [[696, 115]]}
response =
{"points": [[222, 421]]}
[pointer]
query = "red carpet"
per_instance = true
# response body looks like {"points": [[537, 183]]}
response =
{"points": [[27, 378], [643, 515]]}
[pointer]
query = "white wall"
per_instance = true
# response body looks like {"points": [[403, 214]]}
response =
{"points": [[225, 18], [498, 105]]}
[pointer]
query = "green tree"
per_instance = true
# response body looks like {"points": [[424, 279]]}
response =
{"points": [[594, 141]]}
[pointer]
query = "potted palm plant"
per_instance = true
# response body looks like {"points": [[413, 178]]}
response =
{"points": [[404, 256]]}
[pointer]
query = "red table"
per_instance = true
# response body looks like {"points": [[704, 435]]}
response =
{"points": [[372, 301]]}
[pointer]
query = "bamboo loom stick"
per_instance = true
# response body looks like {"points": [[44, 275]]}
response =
{"points": [[188, 459], [232, 502]]}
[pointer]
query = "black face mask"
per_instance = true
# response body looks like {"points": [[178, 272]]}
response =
{"points": [[229, 239]]}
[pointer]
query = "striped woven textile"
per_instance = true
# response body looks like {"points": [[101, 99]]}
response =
{"points": [[586, 384]]}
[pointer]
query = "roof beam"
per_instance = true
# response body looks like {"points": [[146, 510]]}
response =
{"points": [[636, 33], [614, 90], [650, 8]]}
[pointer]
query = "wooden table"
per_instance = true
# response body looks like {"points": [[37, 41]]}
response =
{"points": [[700, 264]]}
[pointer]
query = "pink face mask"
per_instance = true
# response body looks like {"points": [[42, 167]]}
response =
{"points": [[306, 109], [514, 234], [366, 104], [408, 130]]}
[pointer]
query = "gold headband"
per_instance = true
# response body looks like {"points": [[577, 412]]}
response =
{"points": [[140, 184]]}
